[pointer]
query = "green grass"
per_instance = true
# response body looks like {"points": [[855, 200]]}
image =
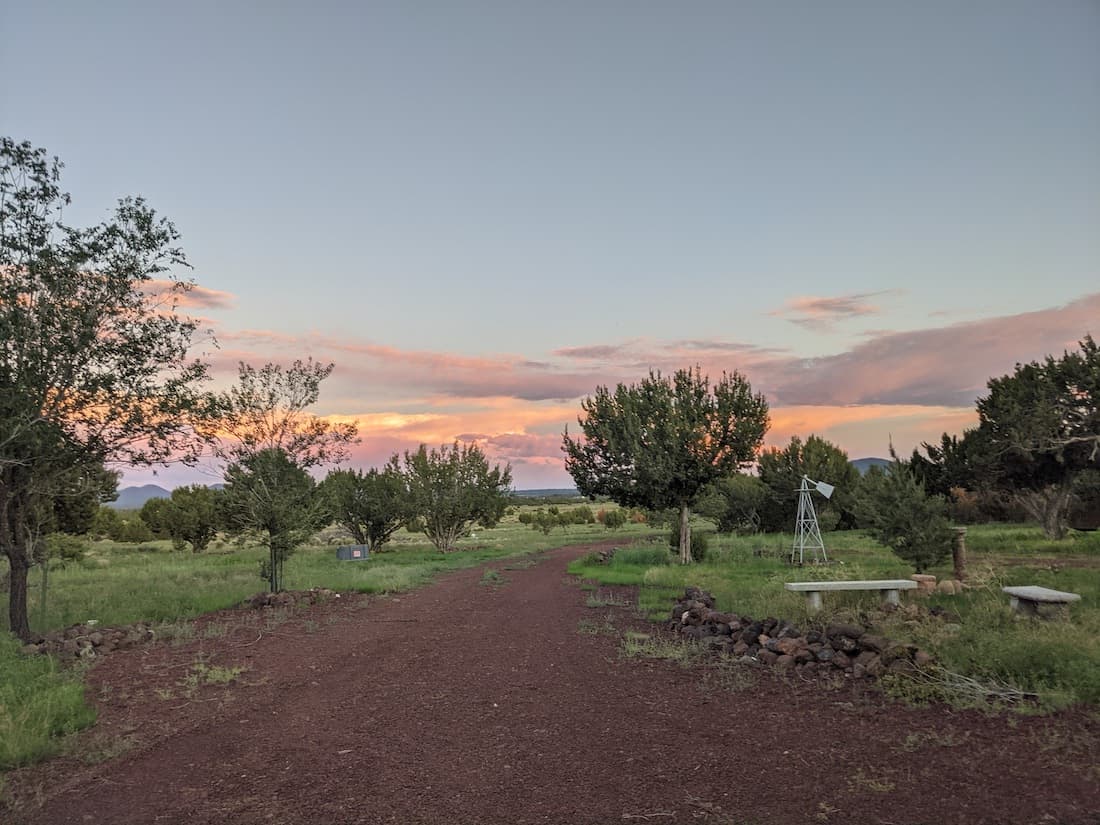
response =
{"points": [[119, 584], [1057, 660], [37, 706]]}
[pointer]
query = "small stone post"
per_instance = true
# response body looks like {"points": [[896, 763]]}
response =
{"points": [[958, 553]]}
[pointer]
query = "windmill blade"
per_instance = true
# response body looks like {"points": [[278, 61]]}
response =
{"points": [[825, 489]]}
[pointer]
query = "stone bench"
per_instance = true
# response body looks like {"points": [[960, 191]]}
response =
{"points": [[889, 588], [1026, 600]]}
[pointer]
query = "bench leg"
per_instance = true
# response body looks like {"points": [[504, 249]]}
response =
{"points": [[813, 600], [891, 597]]}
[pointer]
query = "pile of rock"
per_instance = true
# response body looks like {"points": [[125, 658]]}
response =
{"points": [[291, 598], [604, 555], [86, 641], [850, 648]]}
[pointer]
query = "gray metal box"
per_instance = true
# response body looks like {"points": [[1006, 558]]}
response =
{"points": [[353, 552]]}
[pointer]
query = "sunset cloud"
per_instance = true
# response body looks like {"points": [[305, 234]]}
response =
{"points": [[904, 387], [191, 297], [821, 314]]}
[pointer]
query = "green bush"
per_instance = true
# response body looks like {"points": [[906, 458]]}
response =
{"points": [[614, 519], [898, 512], [700, 543]]}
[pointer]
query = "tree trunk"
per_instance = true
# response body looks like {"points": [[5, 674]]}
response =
{"points": [[1049, 507], [685, 535], [17, 595]]}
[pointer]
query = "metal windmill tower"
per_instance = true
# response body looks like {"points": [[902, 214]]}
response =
{"points": [[807, 533]]}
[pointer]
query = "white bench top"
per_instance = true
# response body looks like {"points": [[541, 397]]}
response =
{"points": [[1034, 593], [874, 584]]}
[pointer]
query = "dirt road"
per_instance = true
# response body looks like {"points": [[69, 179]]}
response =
{"points": [[470, 702]]}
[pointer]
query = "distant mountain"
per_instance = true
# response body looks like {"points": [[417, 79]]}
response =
{"points": [[865, 464], [132, 498]]}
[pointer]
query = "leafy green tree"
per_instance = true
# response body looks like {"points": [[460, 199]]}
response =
{"points": [[269, 497], [453, 488], [371, 506], [94, 363], [614, 519], [894, 508], [782, 470], [661, 442], [155, 514], [193, 516], [735, 503], [1039, 429], [946, 466], [271, 440]]}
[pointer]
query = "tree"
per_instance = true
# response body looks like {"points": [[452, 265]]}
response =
{"points": [[270, 497], [270, 442], [946, 466], [1038, 429], [782, 472], [372, 505], [659, 443], [94, 363], [267, 410], [897, 511], [192, 516], [735, 503], [453, 488]]}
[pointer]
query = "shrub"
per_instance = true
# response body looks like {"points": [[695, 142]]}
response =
{"points": [[700, 543], [898, 512], [614, 519]]}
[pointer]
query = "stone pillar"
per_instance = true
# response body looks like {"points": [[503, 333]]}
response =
{"points": [[958, 553]]}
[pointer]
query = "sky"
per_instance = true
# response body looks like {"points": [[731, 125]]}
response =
{"points": [[481, 211]]}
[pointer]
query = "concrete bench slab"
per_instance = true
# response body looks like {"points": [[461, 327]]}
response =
{"points": [[1026, 599], [889, 588]]}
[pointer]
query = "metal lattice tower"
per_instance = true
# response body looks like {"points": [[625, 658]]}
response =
{"points": [[807, 532]]}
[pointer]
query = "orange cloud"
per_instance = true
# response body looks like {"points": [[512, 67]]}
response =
{"points": [[190, 296], [821, 313]]}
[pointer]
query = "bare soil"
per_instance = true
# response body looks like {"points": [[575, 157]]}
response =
{"points": [[469, 702]]}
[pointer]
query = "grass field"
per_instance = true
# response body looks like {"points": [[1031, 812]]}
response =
{"points": [[1058, 660], [121, 584]]}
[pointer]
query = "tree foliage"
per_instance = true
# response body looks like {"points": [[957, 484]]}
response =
{"points": [[1039, 429], [270, 497], [267, 409], [894, 507], [94, 358], [659, 443], [191, 516], [735, 503], [453, 488], [782, 471], [371, 505]]}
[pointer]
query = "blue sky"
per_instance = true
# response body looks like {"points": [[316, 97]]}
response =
{"points": [[834, 198]]}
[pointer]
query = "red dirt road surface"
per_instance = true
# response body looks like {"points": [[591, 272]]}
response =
{"points": [[467, 703]]}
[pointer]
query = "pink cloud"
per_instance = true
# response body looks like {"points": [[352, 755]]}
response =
{"points": [[191, 296], [822, 313]]}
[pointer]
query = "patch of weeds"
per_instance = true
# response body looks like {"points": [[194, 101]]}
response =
{"points": [[589, 586], [824, 811], [164, 694], [729, 676], [861, 781], [203, 674], [523, 564], [600, 599], [656, 647], [492, 578], [102, 747], [215, 630], [276, 617], [310, 626], [705, 811], [593, 628], [177, 633], [933, 739]]}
